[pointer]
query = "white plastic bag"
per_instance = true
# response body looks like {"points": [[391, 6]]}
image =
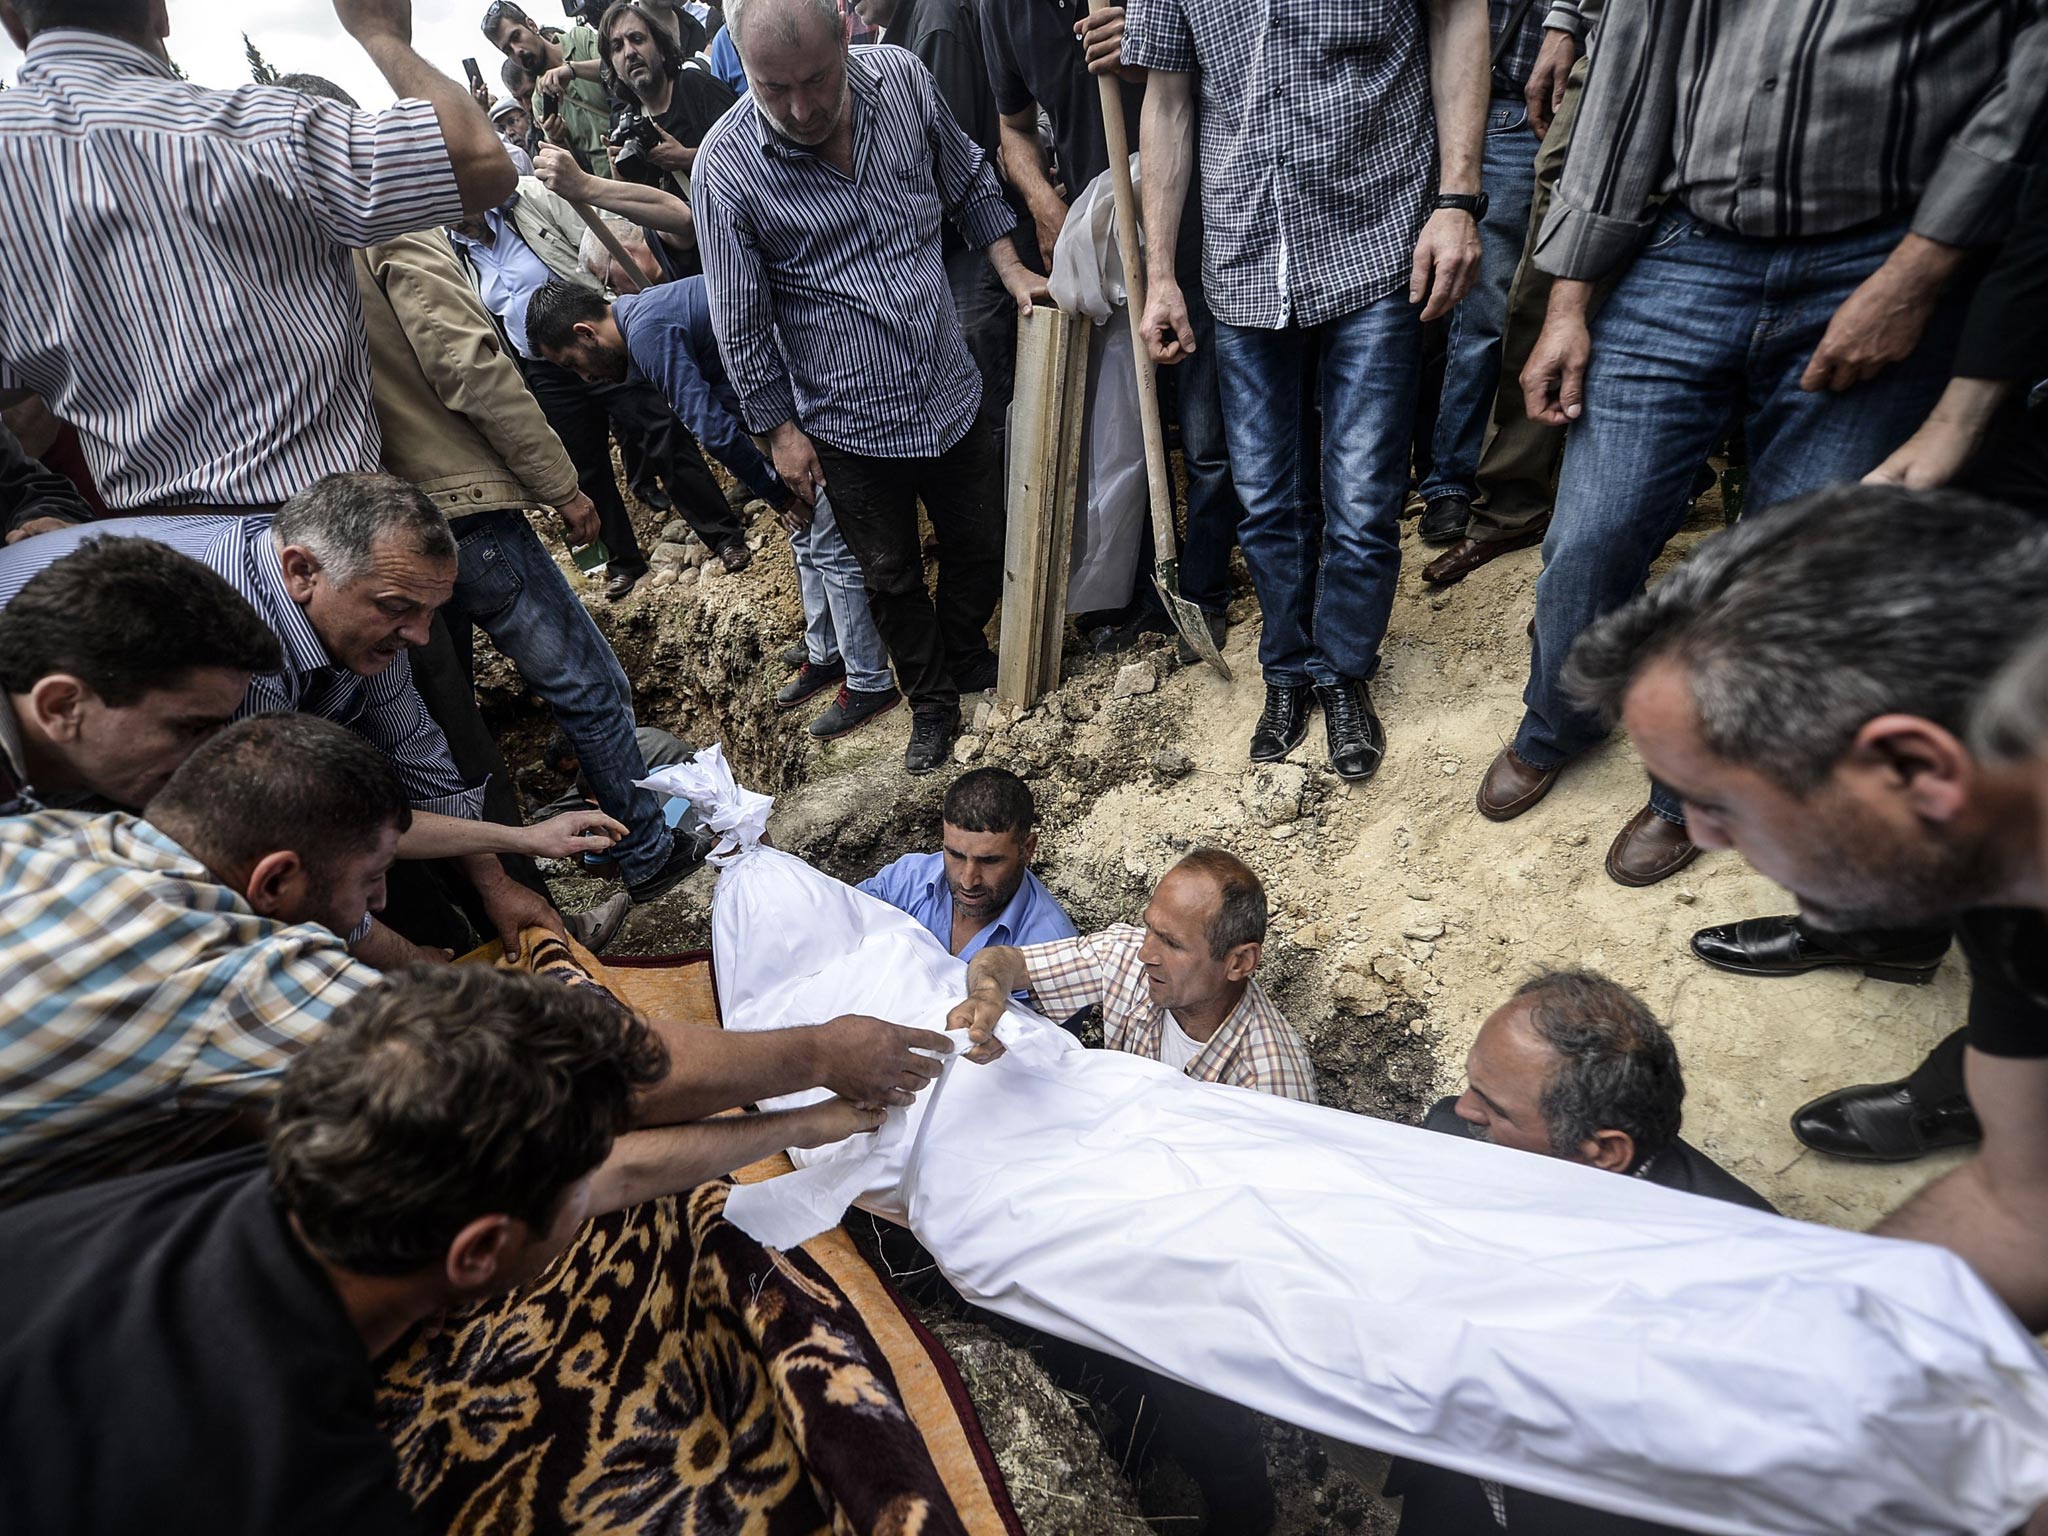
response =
{"points": [[1088, 278]]}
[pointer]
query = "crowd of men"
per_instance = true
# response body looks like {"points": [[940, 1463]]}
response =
{"points": [[284, 380]]}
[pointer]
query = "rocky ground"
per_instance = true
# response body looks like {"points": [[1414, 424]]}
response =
{"points": [[1400, 917]]}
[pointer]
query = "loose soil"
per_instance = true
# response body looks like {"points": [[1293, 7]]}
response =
{"points": [[1400, 917]]}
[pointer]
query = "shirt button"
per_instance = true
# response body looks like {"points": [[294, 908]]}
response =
{"points": [[1771, 84], [1753, 179]]}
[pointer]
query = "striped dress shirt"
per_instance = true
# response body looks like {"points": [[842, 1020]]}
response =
{"points": [[1780, 119], [177, 279], [828, 292], [1254, 1048], [144, 999], [386, 710]]}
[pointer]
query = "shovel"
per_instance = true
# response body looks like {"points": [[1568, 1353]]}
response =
{"points": [[1187, 618]]}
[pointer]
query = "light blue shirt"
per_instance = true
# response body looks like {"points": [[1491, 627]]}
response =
{"points": [[916, 884], [725, 61], [509, 274]]}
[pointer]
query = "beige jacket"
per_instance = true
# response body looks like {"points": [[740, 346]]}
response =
{"points": [[458, 419]]}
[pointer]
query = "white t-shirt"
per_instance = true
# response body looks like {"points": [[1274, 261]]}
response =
{"points": [[1176, 1047]]}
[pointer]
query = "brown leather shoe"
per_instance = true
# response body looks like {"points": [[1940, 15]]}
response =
{"points": [[1649, 849], [1511, 786], [1467, 555]]}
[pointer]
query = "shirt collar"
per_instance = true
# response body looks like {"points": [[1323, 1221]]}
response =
{"points": [[1220, 1046], [1004, 929], [62, 44], [304, 651]]}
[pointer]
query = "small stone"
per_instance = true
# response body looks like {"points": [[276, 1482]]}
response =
{"points": [[1449, 768], [1360, 992], [1070, 798], [675, 531], [667, 553], [1281, 834], [1134, 678], [695, 555], [1426, 927], [1578, 839], [1685, 897], [966, 749], [1309, 936], [984, 715], [1420, 953], [1073, 707], [758, 508], [1421, 893], [1272, 793], [1135, 866], [1415, 1026], [1172, 763], [663, 578]]}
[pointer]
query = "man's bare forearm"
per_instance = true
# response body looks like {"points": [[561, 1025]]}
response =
{"points": [[998, 971], [483, 170], [434, 836], [647, 1164], [1460, 81], [1023, 160], [660, 211], [1166, 145], [2003, 1234], [712, 1070]]}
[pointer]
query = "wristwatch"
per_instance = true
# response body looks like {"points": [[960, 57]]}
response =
{"points": [[1473, 203]]}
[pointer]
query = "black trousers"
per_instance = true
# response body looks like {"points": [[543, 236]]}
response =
{"points": [[875, 501], [641, 413], [586, 416]]}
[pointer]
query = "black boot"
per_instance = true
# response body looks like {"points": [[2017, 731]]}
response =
{"points": [[1357, 740], [1283, 722]]}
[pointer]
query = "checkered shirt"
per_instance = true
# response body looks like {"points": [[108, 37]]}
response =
{"points": [[1318, 147], [1254, 1048], [143, 997]]}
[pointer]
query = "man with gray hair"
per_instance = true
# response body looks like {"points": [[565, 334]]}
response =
{"points": [[829, 296], [1572, 1066], [348, 575], [1805, 683]]}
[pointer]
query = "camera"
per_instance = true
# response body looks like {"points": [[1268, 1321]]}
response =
{"points": [[549, 104], [633, 137]]}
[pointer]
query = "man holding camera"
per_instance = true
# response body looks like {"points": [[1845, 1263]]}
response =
{"points": [[668, 97]]}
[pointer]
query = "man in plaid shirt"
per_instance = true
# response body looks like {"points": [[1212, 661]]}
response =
{"points": [[1180, 989], [1340, 165]]}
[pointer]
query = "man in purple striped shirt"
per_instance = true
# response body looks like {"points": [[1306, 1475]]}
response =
{"points": [[178, 281], [818, 199]]}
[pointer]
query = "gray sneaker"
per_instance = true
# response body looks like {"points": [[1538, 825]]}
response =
{"points": [[595, 929]]}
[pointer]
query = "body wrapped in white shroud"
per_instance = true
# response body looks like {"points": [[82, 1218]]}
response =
{"points": [[1550, 1326]]}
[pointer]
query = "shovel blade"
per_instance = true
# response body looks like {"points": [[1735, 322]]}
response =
{"points": [[1187, 618]]}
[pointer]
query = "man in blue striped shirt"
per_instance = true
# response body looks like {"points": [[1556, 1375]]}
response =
{"points": [[177, 281], [818, 200]]}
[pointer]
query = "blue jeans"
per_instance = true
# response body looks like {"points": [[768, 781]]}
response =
{"points": [[1325, 584], [507, 585], [1214, 512], [1705, 323], [836, 618], [1472, 343]]}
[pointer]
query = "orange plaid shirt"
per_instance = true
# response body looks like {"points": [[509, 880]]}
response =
{"points": [[1254, 1048]]}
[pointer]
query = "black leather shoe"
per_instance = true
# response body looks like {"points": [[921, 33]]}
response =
{"points": [[1444, 520], [1884, 1123], [931, 739], [691, 845], [1283, 722], [1357, 739], [1784, 946]]}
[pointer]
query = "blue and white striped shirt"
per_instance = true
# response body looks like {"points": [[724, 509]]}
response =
{"points": [[177, 279], [386, 710], [829, 292]]}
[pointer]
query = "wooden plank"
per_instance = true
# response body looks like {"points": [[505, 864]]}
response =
{"points": [[1073, 406], [1030, 511]]}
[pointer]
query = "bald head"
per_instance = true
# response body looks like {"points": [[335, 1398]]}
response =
{"points": [[788, 23]]}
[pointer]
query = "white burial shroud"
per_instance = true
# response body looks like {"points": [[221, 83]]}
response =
{"points": [[1573, 1332]]}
